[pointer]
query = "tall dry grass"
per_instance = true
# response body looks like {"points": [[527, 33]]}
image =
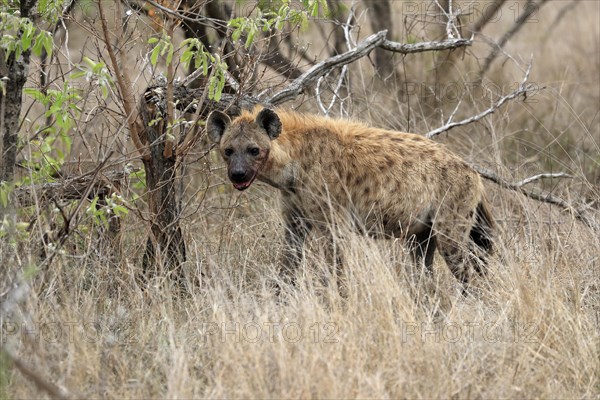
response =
{"points": [[530, 328]]}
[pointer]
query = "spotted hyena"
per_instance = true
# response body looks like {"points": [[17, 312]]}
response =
{"points": [[391, 184]]}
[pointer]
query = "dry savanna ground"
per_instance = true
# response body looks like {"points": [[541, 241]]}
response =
{"points": [[529, 329]]}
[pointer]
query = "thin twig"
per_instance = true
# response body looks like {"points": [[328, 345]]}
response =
{"points": [[336, 91], [347, 34], [451, 20], [530, 8]]}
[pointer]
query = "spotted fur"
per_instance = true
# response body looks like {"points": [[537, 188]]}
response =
{"points": [[386, 183]]}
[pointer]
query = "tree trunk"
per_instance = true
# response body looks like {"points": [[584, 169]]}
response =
{"points": [[165, 248], [14, 73], [380, 15]]}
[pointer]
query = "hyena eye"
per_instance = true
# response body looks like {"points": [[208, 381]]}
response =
{"points": [[228, 152], [254, 151]]}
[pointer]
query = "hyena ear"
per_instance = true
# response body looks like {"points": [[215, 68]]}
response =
{"points": [[216, 124], [269, 121]]}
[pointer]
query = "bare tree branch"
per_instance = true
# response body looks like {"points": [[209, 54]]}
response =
{"points": [[545, 198], [537, 177], [184, 96], [405, 48], [523, 89], [69, 189], [312, 75]]}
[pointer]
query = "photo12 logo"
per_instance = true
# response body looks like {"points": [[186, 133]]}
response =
{"points": [[471, 331], [472, 11], [64, 332], [271, 332]]}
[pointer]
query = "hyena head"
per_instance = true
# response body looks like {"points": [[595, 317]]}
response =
{"points": [[244, 144]]}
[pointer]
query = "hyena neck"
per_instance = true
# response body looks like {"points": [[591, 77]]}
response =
{"points": [[280, 170]]}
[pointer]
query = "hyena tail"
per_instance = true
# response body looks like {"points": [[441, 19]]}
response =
{"points": [[482, 231]]}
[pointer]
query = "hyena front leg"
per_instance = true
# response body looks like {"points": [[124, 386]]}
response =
{"points": [[424, 248], [296, 231]]}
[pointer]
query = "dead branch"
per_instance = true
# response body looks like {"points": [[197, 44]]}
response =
{"points": [[545, 198], [69, 189], [523, 89], [544, 175], [312, 75], [185, 97], [233, 104], [406, 48]]}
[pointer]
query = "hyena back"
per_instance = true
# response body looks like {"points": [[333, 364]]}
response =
{"points": [[388, 183]]}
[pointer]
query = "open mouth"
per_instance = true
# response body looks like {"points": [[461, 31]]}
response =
{"points": [[244, 185]]}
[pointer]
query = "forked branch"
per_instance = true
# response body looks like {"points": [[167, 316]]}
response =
{"points": [[523, 89], [549, 198], [311, 76]]}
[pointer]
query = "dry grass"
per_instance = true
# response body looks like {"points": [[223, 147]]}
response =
{"points": [[531, 328]]}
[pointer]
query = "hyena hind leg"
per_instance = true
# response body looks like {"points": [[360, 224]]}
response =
{"points": [[465, 242], [452, 239], [481, 236]]}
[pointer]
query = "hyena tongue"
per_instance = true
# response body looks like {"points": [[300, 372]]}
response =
{"points": [[242, 186]]}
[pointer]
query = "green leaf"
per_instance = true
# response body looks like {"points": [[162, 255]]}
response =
{"points": [[154, 55], [170, 54], [35, 94], [5, 190]]}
